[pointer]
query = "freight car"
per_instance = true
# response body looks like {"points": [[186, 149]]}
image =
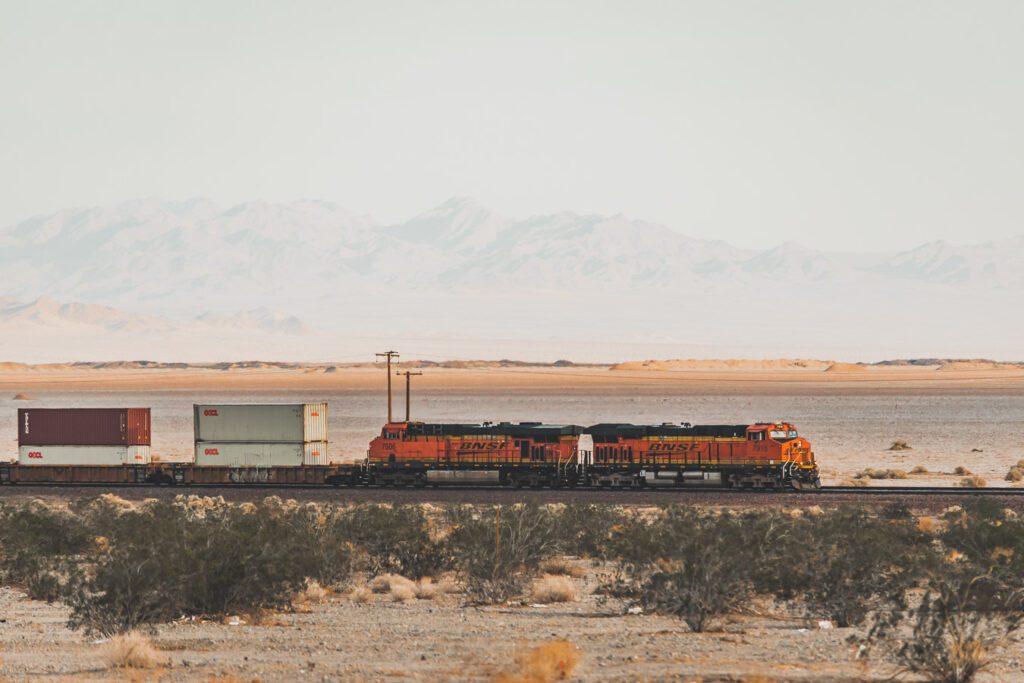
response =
{"points": [[762, 455]]}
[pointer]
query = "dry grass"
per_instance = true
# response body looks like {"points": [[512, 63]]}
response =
{"points": [[553, 589], [973, 482], [962, 471], [131, 651], [919, 469], [386, 582], [312, 594], [362, 594], [859, 483], [563, 567], [871, 473], [402, 593], [926, 524], [448, 585], [399, 588], [426, 589], [552, 661], [268, 617]]}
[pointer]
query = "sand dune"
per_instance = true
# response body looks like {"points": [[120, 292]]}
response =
{"points": [[724, 364], [726, 376]]}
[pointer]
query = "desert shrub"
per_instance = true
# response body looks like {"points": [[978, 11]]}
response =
{"points": [[846, 562], [585, 529], [962, 471], [919, 469], [871, 473], [960, 620], [689, 564], [900, 445], [990, 538], [1016, 473], [973, 482], [169, 560], [35, 541], [395, 538], [498, 551]]}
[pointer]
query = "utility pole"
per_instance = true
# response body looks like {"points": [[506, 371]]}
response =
{"points": [[408, 385], [389, 355]]}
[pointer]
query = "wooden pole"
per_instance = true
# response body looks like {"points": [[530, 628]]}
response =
{"points": [[408, 388], [389, 355]]}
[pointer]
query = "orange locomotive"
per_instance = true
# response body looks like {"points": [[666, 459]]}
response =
{"points": [[763, 455]]}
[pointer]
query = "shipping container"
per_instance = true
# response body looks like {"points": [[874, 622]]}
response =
{"points": [[261, 423], [84, 427], [239, 454], [84, 455]]}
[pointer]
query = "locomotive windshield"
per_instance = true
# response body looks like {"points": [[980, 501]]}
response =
{"points": [[782, 434]]}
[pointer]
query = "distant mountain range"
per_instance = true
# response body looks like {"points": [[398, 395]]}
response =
{"points": [[146, 271]]}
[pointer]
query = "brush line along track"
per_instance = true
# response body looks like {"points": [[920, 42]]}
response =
{"points": [[592, 491]]}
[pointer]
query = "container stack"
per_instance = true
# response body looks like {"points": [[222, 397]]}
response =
{"points": [[84, 436], [261, 435]]}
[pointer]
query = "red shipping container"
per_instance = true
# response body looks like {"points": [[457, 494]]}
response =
{"points": [[84, 427]]}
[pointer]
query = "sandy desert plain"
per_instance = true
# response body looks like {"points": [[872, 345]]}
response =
{"points": [[955, 414]]}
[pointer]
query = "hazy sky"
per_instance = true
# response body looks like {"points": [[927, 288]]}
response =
{"points": [[836, 124]]}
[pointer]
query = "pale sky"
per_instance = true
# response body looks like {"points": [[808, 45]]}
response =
{"points": [[840, 125]]}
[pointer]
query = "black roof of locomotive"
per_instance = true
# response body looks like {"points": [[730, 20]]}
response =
{"points": [[607, 429], [523, 429], [632, 431]]}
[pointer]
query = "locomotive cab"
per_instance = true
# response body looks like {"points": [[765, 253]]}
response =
{"points": [[780, 432], [781, 441]]}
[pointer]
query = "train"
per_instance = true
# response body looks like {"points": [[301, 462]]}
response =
{"points": [[765, 455], [286, 446]]}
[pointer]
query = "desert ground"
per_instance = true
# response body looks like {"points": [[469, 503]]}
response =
{"points": [[967, 414], [378, 631], [442, 640], [951, 415]]}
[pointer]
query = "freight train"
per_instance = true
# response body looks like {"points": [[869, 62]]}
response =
{"points": [[286, 445]]}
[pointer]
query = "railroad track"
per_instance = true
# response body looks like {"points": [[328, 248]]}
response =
{"points": [[930, 499], [825, 490], [921, 490]]}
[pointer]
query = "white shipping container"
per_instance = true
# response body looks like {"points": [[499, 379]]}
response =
{"points": [[261, 423], [237, 454], [84, 455]]}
